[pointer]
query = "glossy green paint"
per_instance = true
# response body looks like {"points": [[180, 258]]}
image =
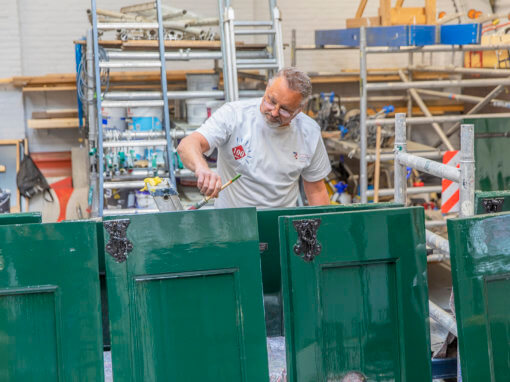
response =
{"points": [[480, 196], [362, 303], [50, 325], [480, 258], [20, 218], [491, 154], [268, 233], [187, 304]]}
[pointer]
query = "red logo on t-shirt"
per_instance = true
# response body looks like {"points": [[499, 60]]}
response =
{"points": [[238, 152]]}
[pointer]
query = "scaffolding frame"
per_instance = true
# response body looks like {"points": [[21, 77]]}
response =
{"points": [[417, 88]]}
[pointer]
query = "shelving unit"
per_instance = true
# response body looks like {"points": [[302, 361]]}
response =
{"points": [[108, 55]]}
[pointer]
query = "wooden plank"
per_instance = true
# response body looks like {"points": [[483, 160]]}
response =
{"points": [[399, 4], [364, 21], [361, 8], [430, 11], [405, 16], [56, 113], [385, 12], [2, 168], [54, 123], [9, 141]]}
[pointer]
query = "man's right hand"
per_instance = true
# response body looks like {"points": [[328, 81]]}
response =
{"points": [[208, 182]]}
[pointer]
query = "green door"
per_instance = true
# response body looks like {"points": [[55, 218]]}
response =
{"points": [[491, 153], [270, 245], [186, 305], [356, 299], [491, 202], [480, 257], [50, 323], [20, 218]]}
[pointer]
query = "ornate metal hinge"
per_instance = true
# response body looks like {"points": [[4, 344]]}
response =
{"points": [[493, 205], [119, 245], [307, 246]]}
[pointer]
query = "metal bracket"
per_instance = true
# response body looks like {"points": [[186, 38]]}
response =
{"points": [[493, 205], [119, 245], [307, 246]]}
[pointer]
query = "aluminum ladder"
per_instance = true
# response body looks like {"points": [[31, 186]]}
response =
{"points": [[230, 28]]}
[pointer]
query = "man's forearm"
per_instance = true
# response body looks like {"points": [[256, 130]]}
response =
{"points": [[316, 193], [190, 152]]}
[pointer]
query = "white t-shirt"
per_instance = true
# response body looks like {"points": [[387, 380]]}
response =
{"points": [[269, 159]]}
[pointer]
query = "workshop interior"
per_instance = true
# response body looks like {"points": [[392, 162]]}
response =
{"points": [[115, 263]]}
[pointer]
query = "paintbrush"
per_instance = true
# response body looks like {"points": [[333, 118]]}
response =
{"points": [[204, 201]]}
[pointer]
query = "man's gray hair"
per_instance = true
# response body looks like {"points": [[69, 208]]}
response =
{"points": [[297, 80]]}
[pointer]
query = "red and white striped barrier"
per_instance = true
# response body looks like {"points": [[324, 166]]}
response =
{"points": [[450, 190]]}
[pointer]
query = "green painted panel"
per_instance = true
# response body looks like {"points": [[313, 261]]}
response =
{"points": [[268, 233], [480, 257], [212, 315], [187, 303], [482, 198], [20, 218], [362, 303], [491, 154], [30, 311], [50, 327], [498, 319]]}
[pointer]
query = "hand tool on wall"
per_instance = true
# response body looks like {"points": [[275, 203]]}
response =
{"points": [[204, 201]]}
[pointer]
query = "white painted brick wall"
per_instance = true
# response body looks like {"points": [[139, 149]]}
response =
{"points": [[10, 45]]}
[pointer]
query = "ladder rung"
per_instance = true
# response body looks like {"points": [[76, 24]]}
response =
{"points": [[136, 143], [124, 184], [129, 64], [257, 66], [253, 23], [254, 31], [155, 95], [132, 103], [248, 61], [114, 26]]}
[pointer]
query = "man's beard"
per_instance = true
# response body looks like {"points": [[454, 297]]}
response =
{"points": [[274, 125]]}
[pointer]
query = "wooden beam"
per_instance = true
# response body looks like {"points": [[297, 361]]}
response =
{"points": [[55, 113], [399, 4], [361, 8], [385, 12], [430, 11], [54, 123]]}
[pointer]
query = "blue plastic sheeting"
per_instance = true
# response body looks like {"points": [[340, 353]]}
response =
{"points": [[461, 34], [444, 368], [402, 35]]}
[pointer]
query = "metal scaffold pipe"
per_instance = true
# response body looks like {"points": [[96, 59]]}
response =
{"points": [[479, 106], [456, 69], [410, 191], [427, 112], [437, 242], [429, 49], [443, 318], [363, 115], [467, 171], [428, 166], [399, 148], [464, 97], [438, 84], [438, 118]]}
